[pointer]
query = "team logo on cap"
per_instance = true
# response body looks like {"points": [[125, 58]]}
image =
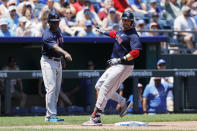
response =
{"points": [[56, 16]]}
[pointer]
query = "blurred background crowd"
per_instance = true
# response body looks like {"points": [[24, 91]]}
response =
{"points": [[79, 17]]}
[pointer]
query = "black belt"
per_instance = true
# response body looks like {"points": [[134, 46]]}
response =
{"points": [[53, 58]]}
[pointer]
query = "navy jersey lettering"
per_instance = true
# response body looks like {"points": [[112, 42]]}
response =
{"points": [[126, 41], [49, 39]]}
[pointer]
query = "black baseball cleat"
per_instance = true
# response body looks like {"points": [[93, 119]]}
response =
{"points": [[125, 108], [93, 122]]}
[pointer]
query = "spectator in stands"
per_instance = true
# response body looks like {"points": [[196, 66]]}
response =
{"points": [[80, 4], [120, 5], [194, 11], [185, 22], [25, 4], [11, 3], [154, 97], [140, 25], [29, 14], [43, 24], [60, 6], [154, 19], [87, 14], [12, 19], [32, 19], [98, 4], [68, 18], [68, 24], [161, 65], [69, 4], [49, 7], [23, 29], [153, 26], [104, 11], [32, 23], [110, 20], [172, 8], [38, 7], [87, 32], [16, 86], [137, 6], [4, 31], [4, 8], [140, 99], [154, 8]]}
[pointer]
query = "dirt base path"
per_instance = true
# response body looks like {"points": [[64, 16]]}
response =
{"points": [[184, 125]]}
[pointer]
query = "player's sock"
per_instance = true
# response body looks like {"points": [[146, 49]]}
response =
{"points": [[96, 113]]}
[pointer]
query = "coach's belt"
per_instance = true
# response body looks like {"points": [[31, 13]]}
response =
{"points": [[53, 58]]}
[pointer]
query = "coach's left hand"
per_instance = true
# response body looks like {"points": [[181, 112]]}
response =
{"points": [[68, 57]]}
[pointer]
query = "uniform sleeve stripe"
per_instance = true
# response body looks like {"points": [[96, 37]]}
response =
{"points": [[135, 53], [112, 33]]}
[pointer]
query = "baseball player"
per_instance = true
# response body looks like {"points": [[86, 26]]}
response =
{"points": [[126, 48], [52, 50]]}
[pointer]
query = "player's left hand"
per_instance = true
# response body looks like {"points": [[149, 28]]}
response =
{"points": [[114, 61], [68, 57]]}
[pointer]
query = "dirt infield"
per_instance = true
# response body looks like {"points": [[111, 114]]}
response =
{"points": [[184, 125]]}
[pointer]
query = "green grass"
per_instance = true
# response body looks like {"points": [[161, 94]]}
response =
{"points": [[106, 119], [79, 130]]}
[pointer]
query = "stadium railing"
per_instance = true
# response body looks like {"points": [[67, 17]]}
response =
{"points": [[178, 74]]}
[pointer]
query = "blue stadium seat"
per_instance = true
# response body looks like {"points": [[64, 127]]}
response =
{"points": [[61, 111], [37, 110], [75, 109], [20, 111]]}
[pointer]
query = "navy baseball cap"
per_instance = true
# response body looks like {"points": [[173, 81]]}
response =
{"points": [[161, 61]]}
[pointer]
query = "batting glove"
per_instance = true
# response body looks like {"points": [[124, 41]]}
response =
{"points": [[116, 61], [98, 29]]}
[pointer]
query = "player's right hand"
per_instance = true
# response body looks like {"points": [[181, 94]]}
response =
{"points": [[114, 61]]}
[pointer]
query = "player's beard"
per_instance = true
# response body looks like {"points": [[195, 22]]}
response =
{"points": [[54, 26], [126, 26]]}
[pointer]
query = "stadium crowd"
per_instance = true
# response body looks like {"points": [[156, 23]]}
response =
{"points": [[79, 17]]}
